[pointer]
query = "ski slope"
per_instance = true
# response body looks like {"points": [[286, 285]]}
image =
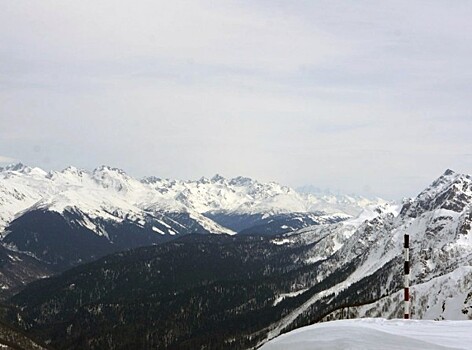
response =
{"points": [[377, 333]]}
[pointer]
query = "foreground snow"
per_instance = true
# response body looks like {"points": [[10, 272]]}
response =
{"points": [[377, 333]]}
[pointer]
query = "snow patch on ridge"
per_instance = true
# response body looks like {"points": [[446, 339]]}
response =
{"points": [[110, 194]]}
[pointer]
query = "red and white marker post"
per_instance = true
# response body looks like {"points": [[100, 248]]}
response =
{"points": [[406, 247]]}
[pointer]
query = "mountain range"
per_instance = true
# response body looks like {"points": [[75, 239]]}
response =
{"points": [[239, 291], [64, 218]]}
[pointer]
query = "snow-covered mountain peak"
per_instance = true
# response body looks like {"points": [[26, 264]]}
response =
{"points": [[439, 224], [70, 174], [441, 182], [18, 167], [241, 181], [217, 178], [374, 211], [451, 191], [202, 180], [106, 169], [108, 190], [151, 180], [243, 195], [74, 171], [449, 172], [114, 178]]}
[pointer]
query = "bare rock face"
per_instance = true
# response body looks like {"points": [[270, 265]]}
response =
{"points": [[239, 291], [65, 218], [451, 191]]}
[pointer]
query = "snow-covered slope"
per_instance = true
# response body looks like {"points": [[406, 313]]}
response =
{"points": [[109, 204], [360, 260], [374, 334], [106, 193], [111, 194], [351, 268], [243, 195], [446, 297]]}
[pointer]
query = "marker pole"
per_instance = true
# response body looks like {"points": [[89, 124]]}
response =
{"points": [[406, 249]]}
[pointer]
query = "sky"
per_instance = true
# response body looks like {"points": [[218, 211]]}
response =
{"points": [[366, 97]]}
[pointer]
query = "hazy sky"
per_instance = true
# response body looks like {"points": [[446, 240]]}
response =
{"points": [[370, 97]]}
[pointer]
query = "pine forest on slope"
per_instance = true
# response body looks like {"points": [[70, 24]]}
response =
{"points": [[66, 218], [223, 291]]}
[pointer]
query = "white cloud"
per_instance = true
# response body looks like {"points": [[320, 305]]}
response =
{"points": [[200, 31], [350, 96]]}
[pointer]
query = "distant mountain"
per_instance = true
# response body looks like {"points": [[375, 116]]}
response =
{"points": [[68, 217], [349, 203], [234, 292]]}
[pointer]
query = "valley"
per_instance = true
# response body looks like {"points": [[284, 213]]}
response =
{"points": [[237, 290]]}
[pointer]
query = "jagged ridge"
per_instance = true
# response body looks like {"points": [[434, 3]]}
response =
{"points": [[272, 284]]}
